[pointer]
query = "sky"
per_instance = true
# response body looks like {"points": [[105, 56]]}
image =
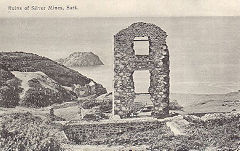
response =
{"points": [[125, 8]]}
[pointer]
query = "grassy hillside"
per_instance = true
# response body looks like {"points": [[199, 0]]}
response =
{"points": [[9, 88], [24, 131], [209, 132], [28, 62], [31, 89], [42, 91], [30, 80]]}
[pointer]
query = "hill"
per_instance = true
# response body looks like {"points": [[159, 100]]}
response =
{"points": [[9, 88], [24, 131], [39, 90], [30, 80], [28, 62], [80, 59]]}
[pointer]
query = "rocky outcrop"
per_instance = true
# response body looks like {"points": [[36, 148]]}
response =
{"points": [[80, 59], [31, 80]]}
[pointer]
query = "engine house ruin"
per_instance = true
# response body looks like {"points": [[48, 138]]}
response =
{"points": [[126, 61]]}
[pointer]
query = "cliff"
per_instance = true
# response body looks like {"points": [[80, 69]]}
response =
{"points": [[80, 59]]}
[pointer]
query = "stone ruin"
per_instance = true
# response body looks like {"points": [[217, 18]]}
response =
{"points": [[126, 62]]}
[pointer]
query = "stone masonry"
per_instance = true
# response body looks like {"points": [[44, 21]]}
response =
{"points": [[126, 62], [100, 133]]}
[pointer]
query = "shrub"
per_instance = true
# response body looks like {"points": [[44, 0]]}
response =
{"points": [[23, 131], [9, 93], [40, 96]]}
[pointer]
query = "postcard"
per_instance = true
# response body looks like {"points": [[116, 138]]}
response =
{"points": [[110, 75]]}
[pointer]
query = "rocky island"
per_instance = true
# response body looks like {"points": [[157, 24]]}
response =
{"points": [[80, 59]]}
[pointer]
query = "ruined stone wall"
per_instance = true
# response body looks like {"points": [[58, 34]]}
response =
{"points": [[95, 134], [126, 62]]}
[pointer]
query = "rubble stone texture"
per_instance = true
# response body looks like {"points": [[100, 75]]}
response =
{"points": [[126, 62], [96, 134]]}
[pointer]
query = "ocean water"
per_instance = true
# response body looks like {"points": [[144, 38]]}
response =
{"points": [[102, 74], [204, 51]]}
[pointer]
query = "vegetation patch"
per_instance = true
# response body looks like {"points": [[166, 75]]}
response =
{"points": [[9, 89], [28, 62], [218, 131], [23, 131]]}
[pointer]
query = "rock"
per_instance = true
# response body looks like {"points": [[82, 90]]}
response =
{"points": [[80, 59], [178, 125]]}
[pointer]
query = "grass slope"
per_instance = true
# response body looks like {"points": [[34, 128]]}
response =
{"points": [[23, 131], [28, 62]]}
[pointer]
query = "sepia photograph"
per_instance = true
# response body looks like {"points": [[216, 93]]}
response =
{"points": [[99, 75]]}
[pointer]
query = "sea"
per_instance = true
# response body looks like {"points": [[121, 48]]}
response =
{"points": [[204, 51]]}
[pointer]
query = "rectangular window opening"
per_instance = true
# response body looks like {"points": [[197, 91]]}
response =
{"points": [[141, 46], [141, 81]]}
